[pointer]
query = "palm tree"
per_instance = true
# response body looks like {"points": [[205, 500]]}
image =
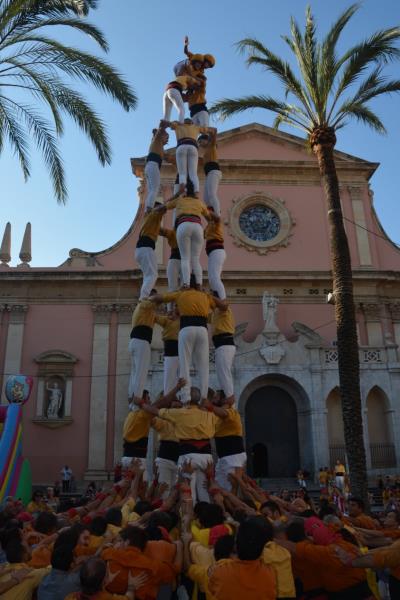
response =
{"points": [[331, 91], [33, 63]]}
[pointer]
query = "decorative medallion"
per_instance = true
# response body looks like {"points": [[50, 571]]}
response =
{"points": [[260, 223]]}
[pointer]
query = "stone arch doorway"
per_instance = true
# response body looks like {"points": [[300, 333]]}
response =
{"points": [[277, 427]]}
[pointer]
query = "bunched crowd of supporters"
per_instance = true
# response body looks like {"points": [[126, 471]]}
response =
{"points": [[137, 541]]}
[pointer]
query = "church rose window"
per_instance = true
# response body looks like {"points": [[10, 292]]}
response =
{"points": [[259, 222]]}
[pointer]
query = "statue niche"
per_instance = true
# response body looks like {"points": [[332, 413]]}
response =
{"points": [[54, 398]]}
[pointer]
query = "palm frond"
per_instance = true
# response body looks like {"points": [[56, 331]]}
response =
{"points": [[328, 63], [258, 54], [226, 108], [11, 128], [360, 112]]}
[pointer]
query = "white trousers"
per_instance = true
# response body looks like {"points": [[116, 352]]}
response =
{"points": [[227, 465], [190, 238], [187, 158], [198, 478], [140, 356], [173, 269], [211, 184], [167, 473], [173, 97], [147, 261], [193, 347], [152, 176], [224, 357], [339, 480], [201, 118], [171, 372], [216, 261]]}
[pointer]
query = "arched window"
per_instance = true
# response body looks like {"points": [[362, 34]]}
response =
{"points": [[379, 430], [335, 427]]}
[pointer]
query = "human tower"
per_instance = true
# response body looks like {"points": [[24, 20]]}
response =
{"points": [[185, 417]]}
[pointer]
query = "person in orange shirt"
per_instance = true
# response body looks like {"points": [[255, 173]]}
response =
{"points": [[340, 581], [93, 577], [357, 517], [130, 557], [245, 577]]}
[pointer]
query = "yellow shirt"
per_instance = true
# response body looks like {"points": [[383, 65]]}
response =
{"points": [[210, 152], [170, 327], [136, 425], [165, 429], [191, 302], [144, 314], [222, 321], [171, 237], [151, 225], [25, 589], [198, 94], [231, 425], [188, 206], [280, 560], [157, 143], [186, 81], [191, 423], [187, 130], [214, 231], [340, 469]]}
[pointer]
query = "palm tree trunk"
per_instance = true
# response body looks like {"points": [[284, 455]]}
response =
{"points": [[323, 143]]}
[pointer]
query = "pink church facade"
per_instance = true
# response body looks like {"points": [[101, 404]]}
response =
{"points": [[69, 326]]}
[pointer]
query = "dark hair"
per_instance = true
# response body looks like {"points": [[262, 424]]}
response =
{"points": [[160, 518], [239, 515], [98, 526], [62, 557], [252, 536], [358, 501], [92, 576], [114, 516], [295, 531], [46, 522], [14, 550], [36, 494], [211, 515], [396, 514], [70, 537], [224, 547], [348, 536], [142, 507], [135, 537], [326, 509], [9, 533], [272, 506]]}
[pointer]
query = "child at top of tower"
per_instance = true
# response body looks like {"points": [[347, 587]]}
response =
{"points": [[195, 64]]}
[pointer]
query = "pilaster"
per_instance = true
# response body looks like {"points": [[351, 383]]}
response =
{"points": [[15, 335], [364, 250], [98, 393]]}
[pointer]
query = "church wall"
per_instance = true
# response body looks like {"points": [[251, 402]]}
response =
{"points": [[68, 328]]}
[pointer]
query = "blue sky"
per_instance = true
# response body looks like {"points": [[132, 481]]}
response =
{"points": [[146, 41]]}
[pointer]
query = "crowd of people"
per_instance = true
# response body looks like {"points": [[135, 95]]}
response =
{"points": [[139, 539]]}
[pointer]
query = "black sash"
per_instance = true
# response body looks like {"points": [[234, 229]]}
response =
{"points": [[196, 108], [154, 157], [228, 445], [211, 166], [193, 321], [145, 242], [168, 450], [142, 332], [137, 449], [223, 339], [170, 347]]}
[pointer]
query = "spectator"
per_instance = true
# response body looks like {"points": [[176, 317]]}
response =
{"points": [[66, 475]]}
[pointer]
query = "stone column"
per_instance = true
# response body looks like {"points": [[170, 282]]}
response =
{"points": [[98, 394], [15, 334], [123, 367], [364, 251], [372, 314], [394, 310]]}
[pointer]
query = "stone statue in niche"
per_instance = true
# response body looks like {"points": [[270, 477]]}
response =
{"points": [[55, 398], [270, 306]]}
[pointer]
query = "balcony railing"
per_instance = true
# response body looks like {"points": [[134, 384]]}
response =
{"points": [[368, 355], [383, 456]]}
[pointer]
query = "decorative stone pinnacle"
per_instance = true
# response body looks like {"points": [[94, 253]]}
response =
{"points": [[5, 248], [25, 252]]}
